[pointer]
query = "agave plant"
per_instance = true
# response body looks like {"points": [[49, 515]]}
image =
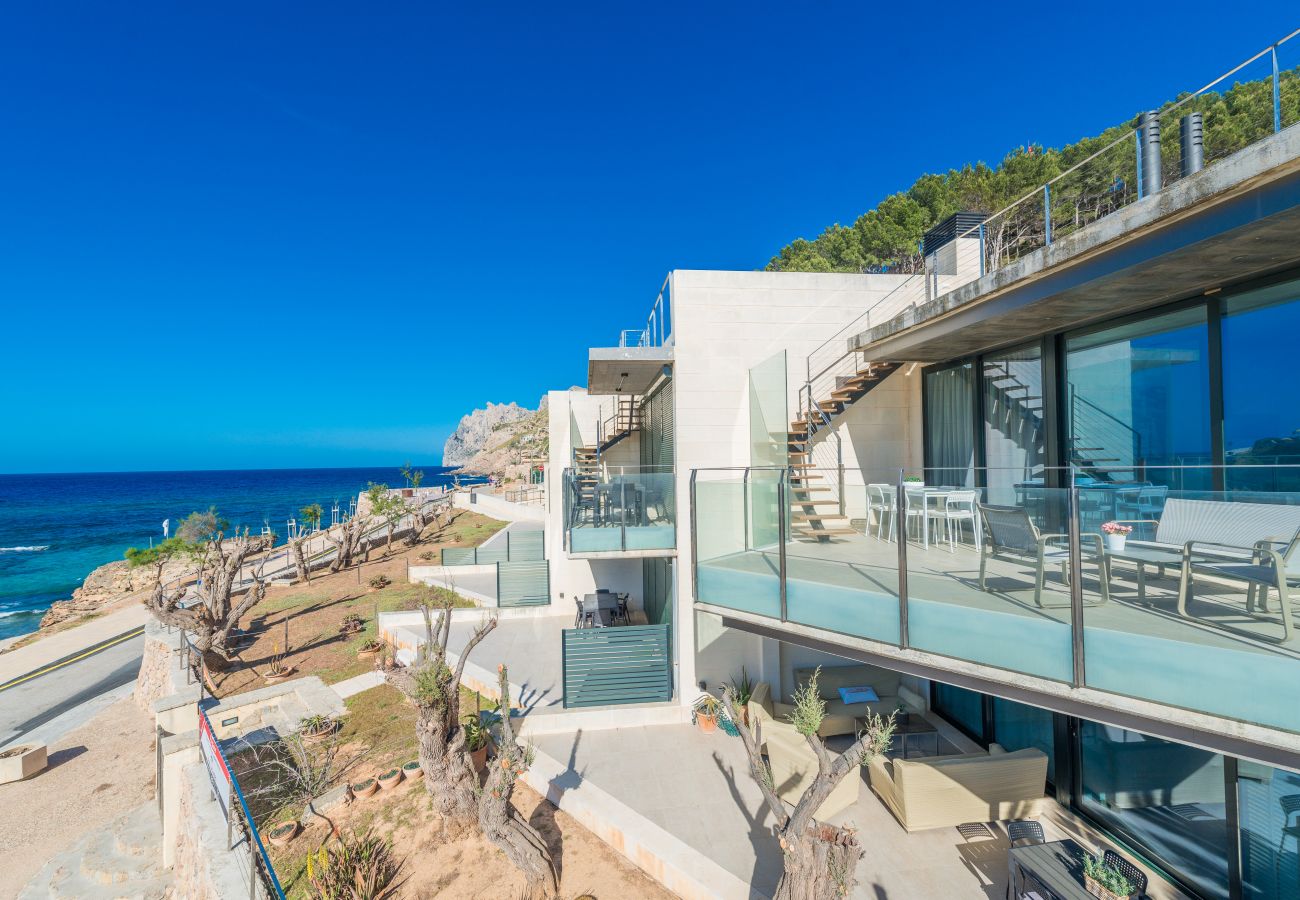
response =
{"points": [[358, 867]]}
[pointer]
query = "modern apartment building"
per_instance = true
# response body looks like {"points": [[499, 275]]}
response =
{"points": [[1051, 484]]}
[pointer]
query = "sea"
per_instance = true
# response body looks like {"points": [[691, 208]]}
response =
{"points": [[55, 529]]}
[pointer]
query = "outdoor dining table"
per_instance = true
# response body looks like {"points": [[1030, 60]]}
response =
{"points": [[1055, 867], [603, 608], [618, 495]]}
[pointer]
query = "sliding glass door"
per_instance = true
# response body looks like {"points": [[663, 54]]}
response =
{"points": [[1015, 434]]}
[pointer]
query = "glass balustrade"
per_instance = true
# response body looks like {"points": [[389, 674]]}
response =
{"points": [[1142, 584], [620, 509]]}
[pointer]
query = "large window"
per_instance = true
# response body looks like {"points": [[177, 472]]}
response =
{"points": [[950, 426], [1261, 408], [1139, 397], [1270, 831], [1164, 797], [1017, 726], [1015, 435], [961, 707]]}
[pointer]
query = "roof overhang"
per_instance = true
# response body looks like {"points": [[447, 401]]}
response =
{"points": [[626, 370], [1233, 222]]}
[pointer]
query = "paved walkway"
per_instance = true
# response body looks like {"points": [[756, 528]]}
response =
{"points": [[54, 647]]}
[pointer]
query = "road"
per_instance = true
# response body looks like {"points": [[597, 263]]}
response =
{"points": [[34, 699]]}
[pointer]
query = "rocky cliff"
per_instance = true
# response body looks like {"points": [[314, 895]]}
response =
{"points": [[499, 440], [110, 584]]}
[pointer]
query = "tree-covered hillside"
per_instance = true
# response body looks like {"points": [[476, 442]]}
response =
{"points": [[889, 236]]}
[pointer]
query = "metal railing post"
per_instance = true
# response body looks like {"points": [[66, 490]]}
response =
{"points": [[744, 494], [695, 556], [1137, 146], [1047, 211], [230, 817], [981, 249], [900, 528], [782, 531], [839, 462], [1076, 586], [1277, 95], [622, 515]]}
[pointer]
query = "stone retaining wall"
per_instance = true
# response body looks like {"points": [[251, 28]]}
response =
{"points": [[161, 673], [205, 869]]}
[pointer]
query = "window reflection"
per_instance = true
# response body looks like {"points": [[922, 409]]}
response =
{"points": [[1166, 797], [1014, 431], [1261, 413], [950, 426]]}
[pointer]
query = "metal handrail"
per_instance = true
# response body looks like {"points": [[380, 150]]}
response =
{"points": [[1043, 193], [658, 328]]}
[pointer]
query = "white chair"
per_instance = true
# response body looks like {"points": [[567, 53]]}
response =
{"points": [[959, 507], [882, 499], [1151, 501], [914, 508]]}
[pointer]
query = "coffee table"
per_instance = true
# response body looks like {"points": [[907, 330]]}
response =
{"points": [[909, 726], [1143, 557]]}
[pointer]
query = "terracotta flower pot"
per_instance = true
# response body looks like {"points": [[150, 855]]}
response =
{"points": [[708, 724], [272, 677], [367, 652], [479, 758], [312, 736], [412, 770], [390, 779], [283, 833], [365, 788]]}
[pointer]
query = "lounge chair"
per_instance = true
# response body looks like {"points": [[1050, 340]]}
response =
{"points": [[794, 766], [1009, 533]]}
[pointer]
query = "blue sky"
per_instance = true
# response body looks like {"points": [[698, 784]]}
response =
{"points": [[262, 235]]}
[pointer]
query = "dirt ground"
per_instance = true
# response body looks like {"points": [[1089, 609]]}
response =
{"points": [[313, 612], [472, 869], [96, 773]]}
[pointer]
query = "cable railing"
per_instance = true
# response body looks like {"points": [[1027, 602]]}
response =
{"points": [[1118, 169]]}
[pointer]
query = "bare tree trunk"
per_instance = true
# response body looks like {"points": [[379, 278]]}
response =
{"points": [[434, 687], [300, 559], [347, 541], [212, 619], [819, 859], [497, 816]]}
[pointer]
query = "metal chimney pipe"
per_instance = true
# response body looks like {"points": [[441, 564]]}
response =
{"points": [[1149, 150], [1192, 135]]}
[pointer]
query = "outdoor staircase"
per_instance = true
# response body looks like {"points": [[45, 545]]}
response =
{"points": [[121, 860], [814, 509], [624, 420], [1014, 408]]}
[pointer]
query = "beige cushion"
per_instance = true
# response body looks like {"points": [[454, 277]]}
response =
{"points": [[794, 766], [942, 791]]}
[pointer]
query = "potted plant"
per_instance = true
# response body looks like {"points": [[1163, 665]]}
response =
{"points": [[478, 735], [283, 833], [1105, 881], [364, 788], [742, 689], [390, 778], [371, 647], [705, 711], [413, 770], [278, 670], [913, 479], [379, 582], [314, 728], [1116, 533]]}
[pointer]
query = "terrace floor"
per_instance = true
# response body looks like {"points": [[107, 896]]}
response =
{"points": [[850, 586], [707, 800]]}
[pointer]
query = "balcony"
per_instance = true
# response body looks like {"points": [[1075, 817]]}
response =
{"points": [[1014, 582], [619, 511]]}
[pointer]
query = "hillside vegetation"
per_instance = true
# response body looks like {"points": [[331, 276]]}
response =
{"points": [[889, 236]]}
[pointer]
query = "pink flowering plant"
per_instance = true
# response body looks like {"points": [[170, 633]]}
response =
{"points": [[1116, 528]]}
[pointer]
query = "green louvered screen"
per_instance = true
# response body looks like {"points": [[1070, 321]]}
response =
{"points": [[523, 583], [608, 666], [458, 556], [498, 553], [526, 546]]}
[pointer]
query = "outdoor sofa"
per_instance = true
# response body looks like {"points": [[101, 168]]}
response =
{"points": [[794, 766], [942, 791], [1249, 543], [841, 717]]}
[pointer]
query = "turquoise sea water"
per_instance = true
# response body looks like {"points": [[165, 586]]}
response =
{"points": [[54, 529]]}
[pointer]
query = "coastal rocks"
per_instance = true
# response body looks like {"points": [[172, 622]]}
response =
{"points": [[108, 585], [476, 430]]}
